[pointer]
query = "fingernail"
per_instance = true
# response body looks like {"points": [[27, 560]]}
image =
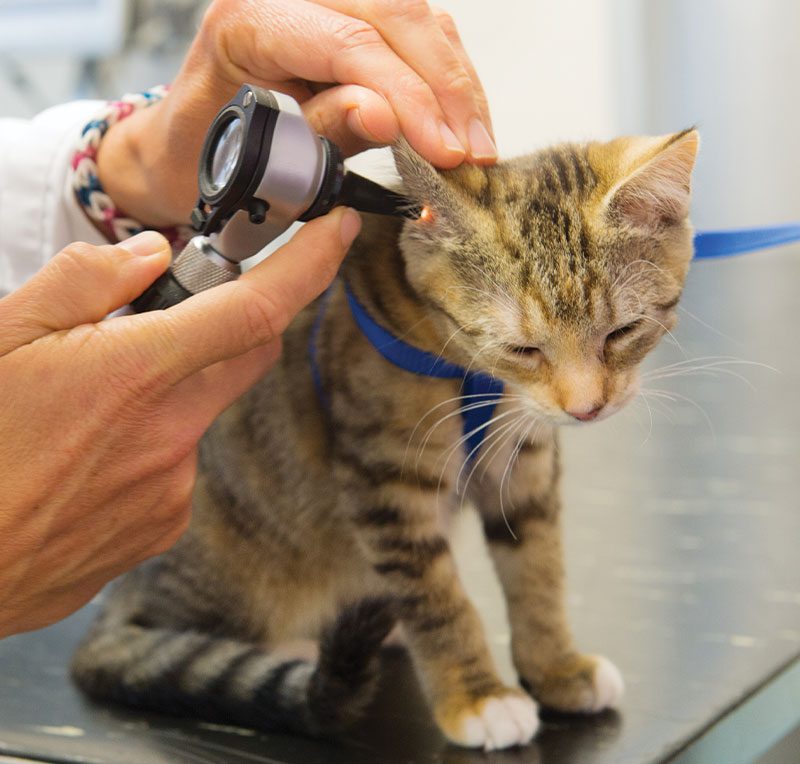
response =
{"points": [[351, 225], [449, 139], [356, 124], [481, 145], [145, 243]]}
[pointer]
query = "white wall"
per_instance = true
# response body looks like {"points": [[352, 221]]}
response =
{"points": [[733, 68], [546, 66]]}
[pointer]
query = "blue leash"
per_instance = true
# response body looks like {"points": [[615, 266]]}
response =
{"points": [[708, 244], [480, 390]]}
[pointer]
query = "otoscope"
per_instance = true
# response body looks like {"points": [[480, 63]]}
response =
{"points": [[262, 168]]}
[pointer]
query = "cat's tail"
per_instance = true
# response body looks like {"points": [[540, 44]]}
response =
{"points": [[187, 673]]}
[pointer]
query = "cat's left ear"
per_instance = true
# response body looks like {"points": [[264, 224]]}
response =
{"points": [[655, 188]]}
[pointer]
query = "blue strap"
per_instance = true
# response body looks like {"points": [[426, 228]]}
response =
{"points": [[708, 244], [481, 391]]}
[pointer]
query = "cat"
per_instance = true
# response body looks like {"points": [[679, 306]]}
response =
{"points": [[320, 515]]}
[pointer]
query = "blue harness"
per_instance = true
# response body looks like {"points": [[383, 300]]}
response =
{"points": [[481, 391]]}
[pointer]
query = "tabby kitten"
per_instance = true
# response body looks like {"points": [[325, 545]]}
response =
{"points": [[321, 520]]}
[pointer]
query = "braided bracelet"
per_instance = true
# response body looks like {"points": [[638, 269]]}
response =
{"points": [[96, 203]]}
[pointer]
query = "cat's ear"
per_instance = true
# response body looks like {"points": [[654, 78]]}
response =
{"points": [[655, 186], [421, 182]]}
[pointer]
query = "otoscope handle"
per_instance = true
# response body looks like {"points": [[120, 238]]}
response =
{"points": [[161, 294], [198, 267]]}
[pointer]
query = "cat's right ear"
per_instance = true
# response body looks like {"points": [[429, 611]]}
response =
{"points": [[421, 182]]}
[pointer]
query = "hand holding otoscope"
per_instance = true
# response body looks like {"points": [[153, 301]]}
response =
{"points": [[262, 168]]}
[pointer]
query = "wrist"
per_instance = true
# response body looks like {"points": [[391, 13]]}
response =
{"points": [[133, 168]]}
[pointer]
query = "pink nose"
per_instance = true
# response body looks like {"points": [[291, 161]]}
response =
{"points": [[586, 416]]}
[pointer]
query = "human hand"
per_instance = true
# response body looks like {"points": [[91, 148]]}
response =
{"points": [[363, 70], [100, 420]]}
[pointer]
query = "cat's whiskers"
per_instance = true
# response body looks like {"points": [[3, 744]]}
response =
{"points": [[641, 395], [507, 472], [707, 365], [487, 449], [458, 331], [434, 408], [469, 407], [645, 317], [661, 407], [709, 327], [477, 354], [674, 397], [527, 423], [448, 454]]}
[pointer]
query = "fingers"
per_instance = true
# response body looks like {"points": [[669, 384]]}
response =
{"points": [[353, 117], [320, 43], [448, 26], [418, 37], [81, 284], [232, 319]]}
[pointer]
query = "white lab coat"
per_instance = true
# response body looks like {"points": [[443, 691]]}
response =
{"points": [[38, 211]]}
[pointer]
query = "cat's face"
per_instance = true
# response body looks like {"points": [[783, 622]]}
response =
{"points": [[557, 272]]}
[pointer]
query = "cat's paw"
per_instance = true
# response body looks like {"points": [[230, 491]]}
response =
{"points": [[494, 722], [581, 684]]}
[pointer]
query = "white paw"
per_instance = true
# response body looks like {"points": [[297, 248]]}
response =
{"points": [[609, 686], [501, 723]]}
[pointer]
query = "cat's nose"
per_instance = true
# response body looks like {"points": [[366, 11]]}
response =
{"points": [[586, 415]]}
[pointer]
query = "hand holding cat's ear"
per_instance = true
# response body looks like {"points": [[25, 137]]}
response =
{"points": [[364, 71]]}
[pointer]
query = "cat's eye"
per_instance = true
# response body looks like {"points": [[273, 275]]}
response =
{"points": [[529, 351], [623, 331]]}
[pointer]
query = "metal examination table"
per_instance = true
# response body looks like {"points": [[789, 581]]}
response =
{"points": [[684, 568]]}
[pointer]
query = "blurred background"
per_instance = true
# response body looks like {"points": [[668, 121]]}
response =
{"points": [[683, 511]]}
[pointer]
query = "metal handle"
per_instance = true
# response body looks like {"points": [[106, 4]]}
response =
{"points": [[197, 268]]}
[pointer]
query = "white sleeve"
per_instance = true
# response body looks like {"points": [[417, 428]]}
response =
{"points": [[39, 214]]}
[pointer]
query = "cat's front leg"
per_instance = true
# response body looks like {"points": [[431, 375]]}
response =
{"points": [[524, 536], [401, 539]]}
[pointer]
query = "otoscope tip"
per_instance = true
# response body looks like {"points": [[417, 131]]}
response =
{"points": [[367, 196]]}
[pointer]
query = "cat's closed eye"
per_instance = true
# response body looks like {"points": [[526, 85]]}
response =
{"points": [[623, 331], [528, 351]]}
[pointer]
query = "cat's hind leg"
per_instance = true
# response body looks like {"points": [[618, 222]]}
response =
{"points": [[224, 680]]}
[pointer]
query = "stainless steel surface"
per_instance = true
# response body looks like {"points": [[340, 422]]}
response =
{"points": [[682, 545]]}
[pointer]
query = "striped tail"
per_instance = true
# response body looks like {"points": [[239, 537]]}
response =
{"points": [[196, 675]]}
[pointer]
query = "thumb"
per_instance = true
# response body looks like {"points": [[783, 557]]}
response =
{"points": [[81, 284], [233, 318]]}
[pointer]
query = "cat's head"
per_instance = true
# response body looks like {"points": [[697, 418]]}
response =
{"points": [[556, 272]]}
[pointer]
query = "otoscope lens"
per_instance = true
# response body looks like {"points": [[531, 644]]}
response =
{"points": [[226, 154]]}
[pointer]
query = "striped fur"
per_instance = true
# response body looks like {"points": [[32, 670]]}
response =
{"points": [[557, 272]]}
